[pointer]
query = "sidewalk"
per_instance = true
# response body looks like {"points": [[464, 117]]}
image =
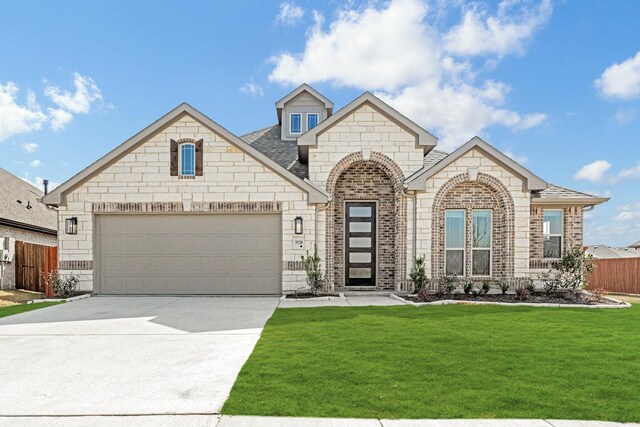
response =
{"points": [[247, 421]]}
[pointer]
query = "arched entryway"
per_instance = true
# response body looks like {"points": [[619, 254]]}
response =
{"points": [[366, 224]]}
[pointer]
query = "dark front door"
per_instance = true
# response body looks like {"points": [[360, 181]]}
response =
{"points": [[360, 244]]}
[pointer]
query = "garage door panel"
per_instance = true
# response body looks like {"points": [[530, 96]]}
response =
{"points": [[189, 254]]}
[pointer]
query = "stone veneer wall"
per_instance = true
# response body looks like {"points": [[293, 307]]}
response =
{"points": [[485, 193], [8, 269], [140, 182], [573, 224]]}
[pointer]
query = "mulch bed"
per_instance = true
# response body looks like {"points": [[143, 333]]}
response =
{"points": [[537, 298], [309, 295]]}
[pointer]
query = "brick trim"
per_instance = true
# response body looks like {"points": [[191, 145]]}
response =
{"points": [[485, 192], [292, 265], [136, 207], [75, 265], [237, 207], [395, 174]]}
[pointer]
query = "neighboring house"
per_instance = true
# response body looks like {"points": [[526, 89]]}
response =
{"points": [[22, 218], [604, 251], [187, 207], [636, 245]]}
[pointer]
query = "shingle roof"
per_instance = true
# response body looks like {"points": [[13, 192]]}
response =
{"points": [[635, 245], [29, 211], [604, 251], [433, 158], [558, 192], [285, 153]]}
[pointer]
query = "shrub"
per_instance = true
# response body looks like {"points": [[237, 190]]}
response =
{"points": [[531, 286], [418, 275], [504, 286], [549, 282], [63, 287], [448, 284], [468, 288], [486, 287], [573, 269], [599, 294], [522, 293], [424, 295], [315, 278]]}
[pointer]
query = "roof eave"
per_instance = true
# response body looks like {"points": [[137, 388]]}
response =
{"points": [[557, 201]]}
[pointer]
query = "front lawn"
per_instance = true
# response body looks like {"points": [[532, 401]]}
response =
{"points": [[21, 308], [444, 362]]}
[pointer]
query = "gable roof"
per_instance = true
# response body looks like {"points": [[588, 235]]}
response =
{"points": [[304, 88], [19, 206], [555, 194], [58, 196], [635, 245], [423, 137], [270, 143], [418, 180]]}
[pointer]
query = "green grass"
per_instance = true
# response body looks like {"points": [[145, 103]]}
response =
{"points": [[22, 308], [444, 362]]}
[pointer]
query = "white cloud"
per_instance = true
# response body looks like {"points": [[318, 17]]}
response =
{"points": [[16, 118], [250, 88], [59, 118], [520, 159], [626, 115], [79, 102], [392, 50], [594, 172], [35, 163], [503, 33], [621, 80], [290, 13], [633, 172], [30, 147], [629, 212], [38, 182]]}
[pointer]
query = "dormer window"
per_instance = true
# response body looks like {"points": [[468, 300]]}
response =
{"points": [[312, 120], [187, 159], [295, 123]]}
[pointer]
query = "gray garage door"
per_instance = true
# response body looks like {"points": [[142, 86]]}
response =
{"points": [[189, 254]]}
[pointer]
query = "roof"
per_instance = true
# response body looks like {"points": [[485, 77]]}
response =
{"points": [[418, 180], [58, 196], [268, 141], [433, 158], [635, 245], [304, 88], [423, 137], [557, 194], [19, 206], [604, 251]]}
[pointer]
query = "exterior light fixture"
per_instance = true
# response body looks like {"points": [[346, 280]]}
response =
{"points": [[71, 225], [298, 225]]}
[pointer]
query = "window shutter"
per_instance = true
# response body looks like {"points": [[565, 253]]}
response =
{"points": [[199, 157], [174, 158]]}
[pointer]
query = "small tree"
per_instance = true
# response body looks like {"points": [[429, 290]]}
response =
{"points": [[418, 275], [573, 269], [315, 278]]}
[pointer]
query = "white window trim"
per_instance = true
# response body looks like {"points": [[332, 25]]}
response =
{"points": [[561, 235], [317, 119], [490, 248], [180, 159], [290, 121], [464, 241]]}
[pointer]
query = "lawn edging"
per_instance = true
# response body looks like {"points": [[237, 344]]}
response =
{"points": [[70, 299], [619, 304]]}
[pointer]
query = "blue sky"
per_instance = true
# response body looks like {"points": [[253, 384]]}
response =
{"points": [[555, 84]]}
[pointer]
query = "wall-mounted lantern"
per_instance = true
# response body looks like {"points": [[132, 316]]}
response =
{"points": [[298, 225], [71, 225]]}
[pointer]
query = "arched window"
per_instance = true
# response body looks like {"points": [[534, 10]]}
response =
{"points": [[187, 159]]}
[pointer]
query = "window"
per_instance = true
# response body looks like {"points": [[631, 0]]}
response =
{"points": [[187, 160], [552, 230], [312, 120], [454, 242], [482, 229], [295, 123]]}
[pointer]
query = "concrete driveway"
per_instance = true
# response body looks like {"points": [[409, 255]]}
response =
{"points": [[127, 355]]}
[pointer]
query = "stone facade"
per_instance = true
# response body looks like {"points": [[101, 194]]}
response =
{"points": [[8, 269]]}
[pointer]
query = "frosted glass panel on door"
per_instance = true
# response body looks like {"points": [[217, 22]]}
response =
{"points": [[360, 227], [360, 211]]}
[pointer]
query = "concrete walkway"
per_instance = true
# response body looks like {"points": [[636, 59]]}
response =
{"points": [[246, 421]]}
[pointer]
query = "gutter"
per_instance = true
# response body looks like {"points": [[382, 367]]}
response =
{"points": [[22, 225]]}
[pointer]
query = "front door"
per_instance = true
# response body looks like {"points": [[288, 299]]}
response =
{"points": [[360, 244]]}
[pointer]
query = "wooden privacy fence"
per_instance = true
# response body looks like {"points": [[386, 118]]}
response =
{"points": [[33, 263], [616, 275]]}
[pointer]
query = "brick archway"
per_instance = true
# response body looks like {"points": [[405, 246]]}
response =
{"points": [[357, 170], [486, 192]]}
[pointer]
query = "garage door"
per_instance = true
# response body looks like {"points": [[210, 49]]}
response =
{"points": [[189, 254]]}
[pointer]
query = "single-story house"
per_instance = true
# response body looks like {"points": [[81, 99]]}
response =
{"points": [[187, 207], [604, 251], [22, 218]]}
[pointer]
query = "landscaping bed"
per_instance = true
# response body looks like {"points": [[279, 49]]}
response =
{"points": [[9, 297], [567, 298], [453, 361], [310, 295]]}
